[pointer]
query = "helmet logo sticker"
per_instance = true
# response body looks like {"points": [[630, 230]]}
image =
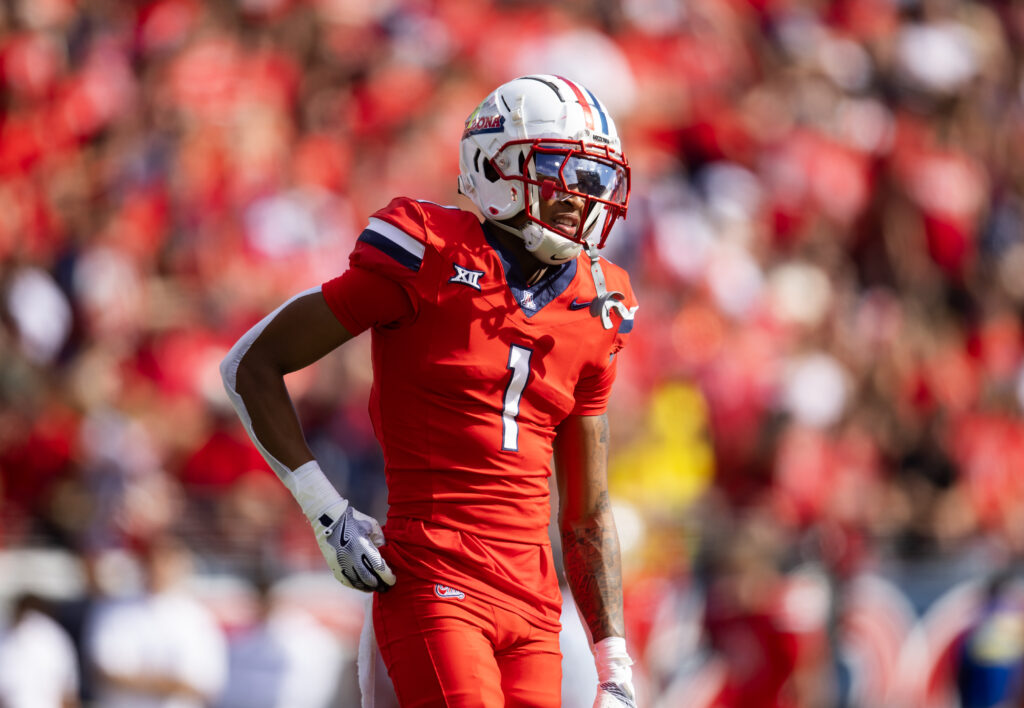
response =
{"points": [[484, 124]]}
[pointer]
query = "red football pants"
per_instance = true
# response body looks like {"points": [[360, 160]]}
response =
{"points": [[446, 649]]}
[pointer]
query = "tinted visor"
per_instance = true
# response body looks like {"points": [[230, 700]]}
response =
{"points": [[589, 176]]}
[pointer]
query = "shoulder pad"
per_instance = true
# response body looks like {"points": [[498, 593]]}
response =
{"points": [[402, 231]]}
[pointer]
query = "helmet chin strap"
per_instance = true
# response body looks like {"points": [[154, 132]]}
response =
{"points": [[532, 244], [533, 236], [605, 301]]}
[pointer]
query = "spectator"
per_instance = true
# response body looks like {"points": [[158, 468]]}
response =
{"points": [[38, 664], [283, 658], [990, 656], [161, 649]]}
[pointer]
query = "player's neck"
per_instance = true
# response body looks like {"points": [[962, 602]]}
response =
{"points": [[532, 269]]}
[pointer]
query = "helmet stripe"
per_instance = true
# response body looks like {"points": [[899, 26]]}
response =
{"points": [[588, 114], [547, 83], [600, 111]]}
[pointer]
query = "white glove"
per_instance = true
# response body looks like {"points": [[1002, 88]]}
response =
{"points": [[615, 695], [615, 678], [347, 538]]}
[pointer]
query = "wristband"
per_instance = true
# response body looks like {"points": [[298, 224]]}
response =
{"points": [[612, 660], [313, 491]]}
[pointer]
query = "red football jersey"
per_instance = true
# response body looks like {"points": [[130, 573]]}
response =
{"points": [[468, 390]]}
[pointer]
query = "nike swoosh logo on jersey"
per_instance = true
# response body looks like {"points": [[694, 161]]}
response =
{"points": [[579, 305], [448, 591]]}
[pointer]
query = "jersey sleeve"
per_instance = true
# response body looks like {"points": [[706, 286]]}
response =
{"points": [[361, 299], [395, 245], [594, 388]]}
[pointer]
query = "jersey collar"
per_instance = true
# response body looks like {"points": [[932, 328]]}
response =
{"points": [[532, 299]]}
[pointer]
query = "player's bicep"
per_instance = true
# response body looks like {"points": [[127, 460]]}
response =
{"points": [[581, 466], [300, 333]]}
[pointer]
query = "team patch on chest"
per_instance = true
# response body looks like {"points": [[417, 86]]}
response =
{"points": [[466, 276]]}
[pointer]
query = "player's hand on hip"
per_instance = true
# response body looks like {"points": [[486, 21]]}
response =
{"points": [[348, 540], [615, 695]]}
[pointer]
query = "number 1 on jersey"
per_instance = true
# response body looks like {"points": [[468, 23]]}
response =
{"points": [[519, 365]]}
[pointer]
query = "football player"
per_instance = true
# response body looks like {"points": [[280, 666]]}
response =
{"points": [[494, 338]]}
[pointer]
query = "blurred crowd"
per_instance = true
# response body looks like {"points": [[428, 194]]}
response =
{"points": [[818, 453]]}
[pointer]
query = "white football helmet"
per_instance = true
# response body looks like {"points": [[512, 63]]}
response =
{"points": [[536, 137]]}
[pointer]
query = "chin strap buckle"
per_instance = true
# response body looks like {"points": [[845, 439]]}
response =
{"points": [[605, 301]]}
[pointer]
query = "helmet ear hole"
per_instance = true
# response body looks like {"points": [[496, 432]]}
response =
{"points": [[490, 173]]}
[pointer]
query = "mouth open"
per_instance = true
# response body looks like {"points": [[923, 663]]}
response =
{"points": [[566, 224]]}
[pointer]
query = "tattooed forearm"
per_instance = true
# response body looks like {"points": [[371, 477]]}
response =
{"points": [[591, 557], [590, 545]]}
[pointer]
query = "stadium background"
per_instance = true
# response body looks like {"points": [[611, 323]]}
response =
{"points": [[818, 444]]}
